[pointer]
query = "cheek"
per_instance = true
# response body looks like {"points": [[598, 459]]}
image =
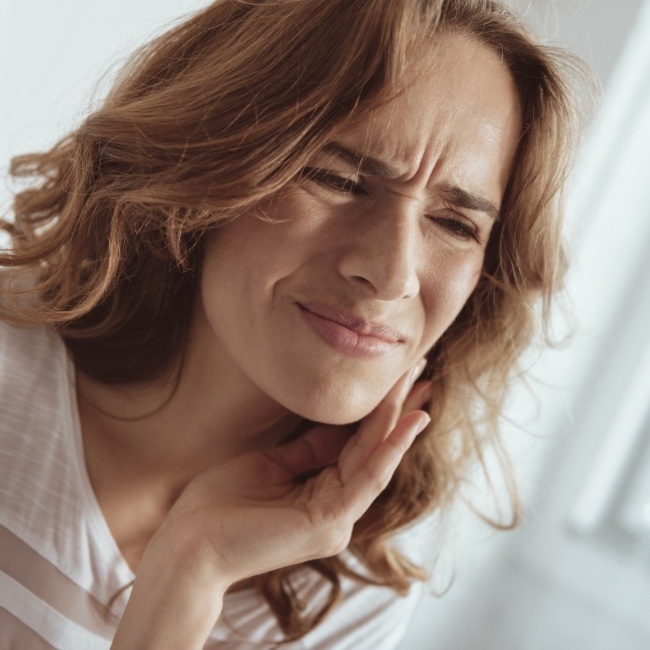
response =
{"points": [[248, 252], [463, 282], [448, 287], [291, 229]]}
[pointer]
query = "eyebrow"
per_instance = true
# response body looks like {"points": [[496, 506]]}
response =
{"points": [[464, 199], [366, 164], [371, 166]]}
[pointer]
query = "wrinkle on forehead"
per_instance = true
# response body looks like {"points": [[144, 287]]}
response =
{"points": [[458, 95]]}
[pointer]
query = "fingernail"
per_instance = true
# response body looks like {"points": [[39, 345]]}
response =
{"points": [[417, 371], [423, 424]]}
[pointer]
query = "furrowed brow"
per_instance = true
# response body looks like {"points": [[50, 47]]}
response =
{"points": [[464, 199], [371, 166], [366, 164]]}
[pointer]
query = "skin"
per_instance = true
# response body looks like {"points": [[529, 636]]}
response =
{"points": [[214, 495], [391, 251]]}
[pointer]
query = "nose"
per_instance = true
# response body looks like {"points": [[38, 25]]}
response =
{"points": [[381, 255]]}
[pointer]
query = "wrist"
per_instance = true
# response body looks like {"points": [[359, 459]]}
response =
{"points": [[184, 552], [176, 599]]}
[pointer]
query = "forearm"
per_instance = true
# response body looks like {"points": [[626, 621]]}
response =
{"points": [[173, 605]]}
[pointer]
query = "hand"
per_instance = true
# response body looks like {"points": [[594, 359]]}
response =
{"points": [[251, 515]]}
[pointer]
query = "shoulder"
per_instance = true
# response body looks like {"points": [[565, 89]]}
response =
{"points": [[31, 360], [34, 403], [17, 339]]}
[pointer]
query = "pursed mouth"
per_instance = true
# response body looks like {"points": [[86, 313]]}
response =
{"points": [[354, 323]]}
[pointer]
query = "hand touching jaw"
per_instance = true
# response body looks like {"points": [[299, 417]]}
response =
{"points": [[252, 514]]}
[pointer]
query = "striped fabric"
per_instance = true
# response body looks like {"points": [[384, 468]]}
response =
{"points": [[47, 601], [62, 576]]}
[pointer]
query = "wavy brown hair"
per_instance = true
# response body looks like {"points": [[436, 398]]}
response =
{"points": [[219, 114]]}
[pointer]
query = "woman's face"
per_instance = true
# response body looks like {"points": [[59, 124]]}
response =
{"points": [[369, 258]]}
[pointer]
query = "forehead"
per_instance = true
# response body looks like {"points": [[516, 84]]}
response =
{"points": [[454, 118]]}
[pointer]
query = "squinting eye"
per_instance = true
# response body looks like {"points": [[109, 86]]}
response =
{"points": [[333, 181], [457, 227]]}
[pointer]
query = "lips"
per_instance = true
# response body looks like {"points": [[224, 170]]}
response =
{"points": [[348, 333]]}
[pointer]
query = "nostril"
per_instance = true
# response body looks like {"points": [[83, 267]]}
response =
{"points": [[364, 284]]}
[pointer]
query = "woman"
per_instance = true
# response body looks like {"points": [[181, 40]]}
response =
{"points": [[296, 235]]}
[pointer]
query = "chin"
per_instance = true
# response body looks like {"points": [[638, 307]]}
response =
{"points": [[338, 405]]}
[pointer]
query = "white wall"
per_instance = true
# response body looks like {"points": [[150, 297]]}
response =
{"points": [[53, 55]]}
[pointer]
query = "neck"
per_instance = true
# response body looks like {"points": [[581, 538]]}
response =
{"points": [[144, 443], [201, 414]]}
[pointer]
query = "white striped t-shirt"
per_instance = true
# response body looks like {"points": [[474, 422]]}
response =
{"points": [[61, 569]]}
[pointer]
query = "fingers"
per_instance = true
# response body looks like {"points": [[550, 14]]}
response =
{"points": [[322, 445], [377, 426], [365, 485], [420, 394], [391, 407]]}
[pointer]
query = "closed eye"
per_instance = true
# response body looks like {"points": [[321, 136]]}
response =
{"points": [[333, 181], [457, 226]]}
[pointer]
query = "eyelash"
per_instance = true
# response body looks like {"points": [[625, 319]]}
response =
{"points": [[343, 185], [457, 227], [333, 181]]}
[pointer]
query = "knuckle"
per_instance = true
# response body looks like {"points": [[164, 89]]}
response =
{"points": [[337, 541], [377, 482], [333, 534]]}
